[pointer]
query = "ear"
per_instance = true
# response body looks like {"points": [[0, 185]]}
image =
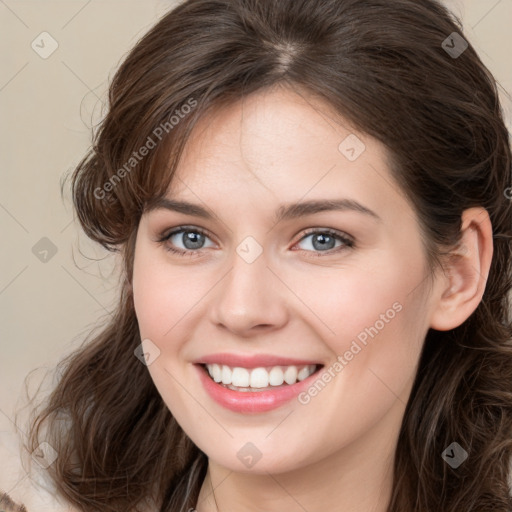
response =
{"points": [[466, 272]]}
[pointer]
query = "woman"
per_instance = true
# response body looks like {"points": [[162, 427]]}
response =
{"points": [[309, 199]]}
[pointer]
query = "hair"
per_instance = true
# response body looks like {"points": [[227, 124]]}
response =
{"points": [[382, 66]]}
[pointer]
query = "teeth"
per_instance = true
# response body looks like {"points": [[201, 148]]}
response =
{"points": [[216, 372], [258, 378], [276, 376], [303, 374], [290, 375], [225, 375], [240, 377]]}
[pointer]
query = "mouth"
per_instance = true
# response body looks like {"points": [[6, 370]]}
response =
{"points": [[259, 379], [238, 391]]}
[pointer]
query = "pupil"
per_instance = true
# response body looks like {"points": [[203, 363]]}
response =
{"points": [[324, 239], [192, 240]]}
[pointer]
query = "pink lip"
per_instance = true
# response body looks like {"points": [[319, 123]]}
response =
{"points": [[251, 401], [254, 361]]}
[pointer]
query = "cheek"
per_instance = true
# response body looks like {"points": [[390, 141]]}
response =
{"points": [[350, 301], [162, 293], [376, 319], [159, 304], [149, 300], [153, 302]]}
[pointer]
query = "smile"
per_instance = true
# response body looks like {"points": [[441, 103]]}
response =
{"points": [[258, 389], [247, 379]]}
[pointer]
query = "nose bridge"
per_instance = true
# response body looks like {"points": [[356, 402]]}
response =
{"points": [[249, 295]]}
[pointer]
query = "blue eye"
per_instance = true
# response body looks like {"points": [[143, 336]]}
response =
{"points": [[193, 240], [325, 241]]}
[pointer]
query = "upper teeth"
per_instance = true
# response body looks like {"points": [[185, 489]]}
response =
{"points": [[259, 377]]}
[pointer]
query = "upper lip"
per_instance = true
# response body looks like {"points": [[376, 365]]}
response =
{"points": [[253, 361]]}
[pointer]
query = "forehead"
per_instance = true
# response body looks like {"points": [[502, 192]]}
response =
{"points": [[278, 145]]}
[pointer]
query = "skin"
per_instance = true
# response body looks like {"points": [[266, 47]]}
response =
{"points": [[243, 162]]}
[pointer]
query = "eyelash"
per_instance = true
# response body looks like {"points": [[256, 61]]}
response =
{"points": [[348, 243]]}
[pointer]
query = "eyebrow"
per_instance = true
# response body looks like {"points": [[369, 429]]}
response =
{"points": [[284, 212]]}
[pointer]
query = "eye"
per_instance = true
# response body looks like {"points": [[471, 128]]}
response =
{"points": [[324, 241], [192, 239]]}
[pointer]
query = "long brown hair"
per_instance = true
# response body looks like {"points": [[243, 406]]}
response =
{"points": [[386, 67]]}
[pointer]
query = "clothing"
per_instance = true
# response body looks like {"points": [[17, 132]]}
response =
{"points": [[25, 493], [33, 492]]}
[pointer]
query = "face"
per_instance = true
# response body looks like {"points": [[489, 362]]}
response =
{"points": [[258, 288]]}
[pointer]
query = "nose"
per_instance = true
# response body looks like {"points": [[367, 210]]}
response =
{"points": [[250, 299]]}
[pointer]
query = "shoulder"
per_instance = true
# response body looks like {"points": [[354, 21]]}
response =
{"points": [[25, 489], [29, 489]]}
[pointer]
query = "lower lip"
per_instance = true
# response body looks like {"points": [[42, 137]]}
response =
{"points": [[252, 401]]}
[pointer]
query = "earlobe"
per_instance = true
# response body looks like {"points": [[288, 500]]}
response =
{"points": [[467, 268]]}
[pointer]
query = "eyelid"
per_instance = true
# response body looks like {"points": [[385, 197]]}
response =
{"points": [[334, 232], [165, 235]]}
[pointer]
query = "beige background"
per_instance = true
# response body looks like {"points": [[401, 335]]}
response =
{"points": [[48, 107]]}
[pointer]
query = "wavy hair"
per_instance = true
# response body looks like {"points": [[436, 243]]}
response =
{"points": [[383, 66]]}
